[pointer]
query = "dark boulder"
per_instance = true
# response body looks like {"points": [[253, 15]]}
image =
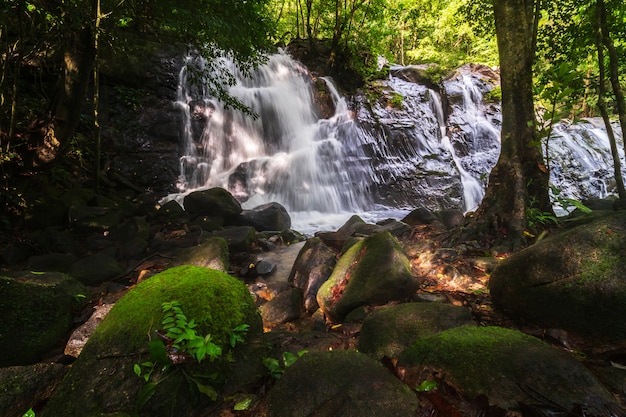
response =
{"points": [[270, 216], [212, 202]]}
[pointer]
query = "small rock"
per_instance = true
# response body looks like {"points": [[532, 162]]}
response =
{"points": [[264, 267], [286, 306], [79, 337]]}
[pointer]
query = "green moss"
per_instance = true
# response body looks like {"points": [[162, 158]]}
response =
{"points": [[216, 301], [493, 96], [397, 101], [506, 365], [468, 354], [37, 310], [102, 379]]}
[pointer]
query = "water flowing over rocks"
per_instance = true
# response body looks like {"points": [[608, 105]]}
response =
{"points": [[403, 142]]}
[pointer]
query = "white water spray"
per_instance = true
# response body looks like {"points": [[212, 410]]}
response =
{"points": [[473, 190], [287, 155]]}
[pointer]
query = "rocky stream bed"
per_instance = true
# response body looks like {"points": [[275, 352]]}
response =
{"points": [[412, 314]]}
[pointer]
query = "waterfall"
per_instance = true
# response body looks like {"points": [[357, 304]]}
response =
{"points": [[288, 154], [581, 163], [399, 146], [473, 190]]}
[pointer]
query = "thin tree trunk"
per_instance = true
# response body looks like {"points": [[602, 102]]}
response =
{"points": [[96, 95], [65, 108], [600, 43], [613, 66]]}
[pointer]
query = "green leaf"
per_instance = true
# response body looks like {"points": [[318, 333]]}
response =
{"points": [[426, 386], [158, 352], [273, 366], [241, 328], [145, 394], [289, 359], [137, 369], [200, 353], [213, 350], [174, 330], [243, 404], [207, 390], [29, 413], [580, 206]]}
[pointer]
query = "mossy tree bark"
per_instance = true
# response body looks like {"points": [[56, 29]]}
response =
{"points": [[519, 181]]}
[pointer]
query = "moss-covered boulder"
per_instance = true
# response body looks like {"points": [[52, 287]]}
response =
{"points": [[575, 280], [25, 387], [373, 271], [340, 383], [102, 380], [389, 330], [37, 310], [211, 254], [508, 366]]}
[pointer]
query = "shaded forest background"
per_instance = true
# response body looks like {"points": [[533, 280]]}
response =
{"points": [[53, 54]]}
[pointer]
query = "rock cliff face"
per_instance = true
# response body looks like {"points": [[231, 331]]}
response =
{"points": [[140, 123], [412, 139]]}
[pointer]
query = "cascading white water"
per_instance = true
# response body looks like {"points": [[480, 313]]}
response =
{"points": [[473, 190], [288, 154], [378, 161], [581, 163]]}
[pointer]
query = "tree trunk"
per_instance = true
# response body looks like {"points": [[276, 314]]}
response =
{"points": [[613, 66], [518, 184], [600, 43], [54, 133]]}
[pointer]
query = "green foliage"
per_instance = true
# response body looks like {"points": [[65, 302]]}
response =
{"points": [[29, 413], [494, 95], [184, 337], [277, 367], [178, 343], [426, 386], [538, 218], [566, 203], [397, 101]]}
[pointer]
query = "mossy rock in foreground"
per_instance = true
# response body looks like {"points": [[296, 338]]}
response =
{"points": [[37, 311], [575, 280], [102, 380], [374, 271], [340, 383], [508, 366], [390, 329]]}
